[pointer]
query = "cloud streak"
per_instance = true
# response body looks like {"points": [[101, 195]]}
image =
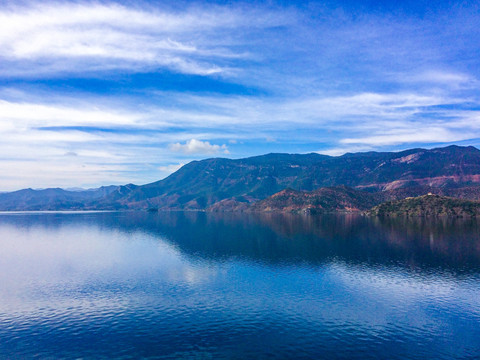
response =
{"points": [[80, 37]]}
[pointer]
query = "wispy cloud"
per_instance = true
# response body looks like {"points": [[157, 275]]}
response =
{"points": [[441, 77], [76, 37], [418, 134]]}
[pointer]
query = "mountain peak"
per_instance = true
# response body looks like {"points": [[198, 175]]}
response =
{"points": [[456, 149]]}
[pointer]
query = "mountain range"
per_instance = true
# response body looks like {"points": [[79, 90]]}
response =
{"points": [[353, 181]]}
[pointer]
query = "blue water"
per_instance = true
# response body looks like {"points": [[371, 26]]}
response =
{"points": [[207, 286]]}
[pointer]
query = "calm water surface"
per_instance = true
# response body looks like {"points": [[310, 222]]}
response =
{"points": [[206, 286]]}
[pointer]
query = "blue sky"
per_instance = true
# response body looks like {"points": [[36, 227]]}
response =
{"points": [[96, 93]]}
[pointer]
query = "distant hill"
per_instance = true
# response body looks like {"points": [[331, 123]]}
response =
{"points": [[52, 199], [427, 206], [219, 183]]}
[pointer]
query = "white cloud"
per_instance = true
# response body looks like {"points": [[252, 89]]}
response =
{"points": [[68, 37], [34, 114], [195, 146]]}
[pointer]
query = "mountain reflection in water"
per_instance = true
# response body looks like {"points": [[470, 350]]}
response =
{"points": [[199, 285]]}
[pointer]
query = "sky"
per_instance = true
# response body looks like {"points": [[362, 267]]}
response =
{"points": [[96, 93]]}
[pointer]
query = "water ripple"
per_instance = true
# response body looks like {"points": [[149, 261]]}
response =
{"points": [[116, 286]]}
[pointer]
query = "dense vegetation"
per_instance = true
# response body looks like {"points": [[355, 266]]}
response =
{"points": [[427, 206], [323, 200]]}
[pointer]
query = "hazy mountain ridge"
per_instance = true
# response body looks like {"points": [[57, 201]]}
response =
{"points": [[52, 198], [220, 184]]}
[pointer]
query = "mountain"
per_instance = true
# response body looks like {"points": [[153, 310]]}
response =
{"points": [[427, 206], [201, 184], [52, 199], [219, 183]]}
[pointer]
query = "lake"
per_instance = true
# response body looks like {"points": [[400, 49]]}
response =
{"points": [[236, 286]]}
